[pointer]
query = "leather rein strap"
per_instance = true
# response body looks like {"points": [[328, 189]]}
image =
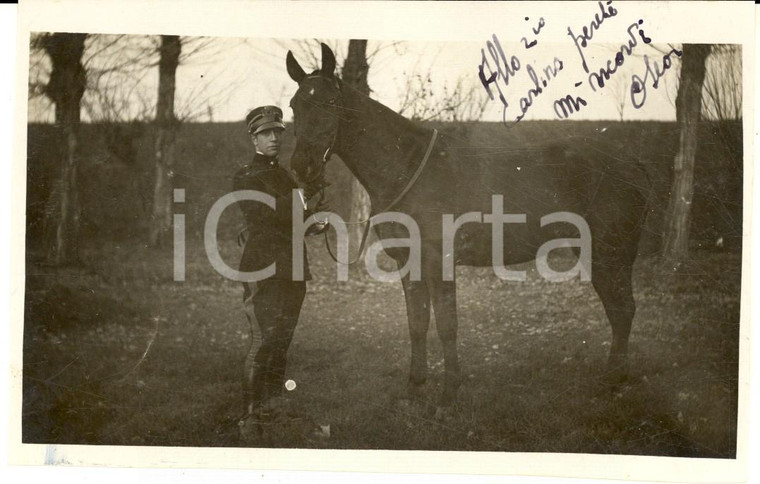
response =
{"points": [[368, 222]]}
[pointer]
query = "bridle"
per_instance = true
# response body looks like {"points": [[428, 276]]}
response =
{"points": [[325, 158], [367, 223], [337, 102]]}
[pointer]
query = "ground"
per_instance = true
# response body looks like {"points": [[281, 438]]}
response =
{"points": [[116, 352]]}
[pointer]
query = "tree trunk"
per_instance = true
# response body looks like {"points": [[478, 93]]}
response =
{"points": [[355, 72], [66, 88], [166, 128], [688, 106]]}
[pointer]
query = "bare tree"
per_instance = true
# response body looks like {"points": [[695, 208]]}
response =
{"points": [[121, 87], [117, 68], [65, 88], [688, 108], [722, 97], [120, 93], [619, 90], [722, 92], [423, 100], [199, 101], [166, 129], [41, 107]]}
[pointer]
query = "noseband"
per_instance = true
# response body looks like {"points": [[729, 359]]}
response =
{"points": [[329, 151]]}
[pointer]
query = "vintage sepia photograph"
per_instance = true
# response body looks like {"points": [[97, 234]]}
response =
{"points": [[528, 239]]}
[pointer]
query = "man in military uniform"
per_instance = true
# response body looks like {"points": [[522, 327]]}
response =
{"points": [[272, 304]]}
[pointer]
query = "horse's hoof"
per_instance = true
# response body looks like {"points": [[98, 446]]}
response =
{"points": [[616, 378], [444, 413], [322, 431], [618, 369]]}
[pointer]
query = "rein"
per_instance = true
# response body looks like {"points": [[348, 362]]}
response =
{"points": [[391, 205]]}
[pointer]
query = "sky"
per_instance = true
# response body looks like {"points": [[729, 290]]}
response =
{"points": [[229, 76]]}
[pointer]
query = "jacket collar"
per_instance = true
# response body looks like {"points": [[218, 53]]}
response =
{"points": [[262, 159]]}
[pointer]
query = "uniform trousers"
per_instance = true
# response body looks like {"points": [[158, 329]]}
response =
{"points": [[272, 307]]}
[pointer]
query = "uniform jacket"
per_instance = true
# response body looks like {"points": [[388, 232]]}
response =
{"points": [[269, 231]]}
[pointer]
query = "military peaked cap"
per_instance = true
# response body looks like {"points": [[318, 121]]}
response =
{"points": [[263, 118]]}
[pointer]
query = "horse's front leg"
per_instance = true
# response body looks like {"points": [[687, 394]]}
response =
{"points": [[418, 313]]}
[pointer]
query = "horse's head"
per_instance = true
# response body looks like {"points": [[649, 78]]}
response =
{"points": [[316, 112]]}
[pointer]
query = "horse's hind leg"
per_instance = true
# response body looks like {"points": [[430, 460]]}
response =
{"points": [[418, 312], [444, 297], [446, 323], [613, 284]]}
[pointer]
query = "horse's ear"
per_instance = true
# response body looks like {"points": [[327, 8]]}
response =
{"points": [[328, 61], [294, 68]]}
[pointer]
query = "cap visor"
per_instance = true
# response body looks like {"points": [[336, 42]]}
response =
{"points": [[269, 125]]}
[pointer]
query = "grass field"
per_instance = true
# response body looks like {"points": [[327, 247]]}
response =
{"points": [[117, 353]]}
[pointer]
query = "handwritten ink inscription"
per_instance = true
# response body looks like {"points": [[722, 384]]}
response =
{"points": [[503, 69], [639, 85], [536, 31], [587, 33], [597, 79], [497, 67]]}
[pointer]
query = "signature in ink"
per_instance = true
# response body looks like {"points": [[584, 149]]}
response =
{"points": [[605, 73], [504, 70], [587, 33], [549, 72], [565, 106], [536, 31], [639, 85]]}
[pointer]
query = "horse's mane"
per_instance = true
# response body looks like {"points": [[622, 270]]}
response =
{"points": [[384, 111]]}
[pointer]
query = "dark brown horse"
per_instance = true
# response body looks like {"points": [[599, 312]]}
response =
{"points": [[384, 151]]}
